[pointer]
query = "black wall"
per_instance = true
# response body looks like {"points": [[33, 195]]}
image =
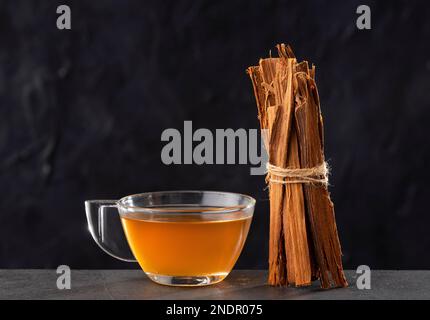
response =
{"points": [[82, 111]]}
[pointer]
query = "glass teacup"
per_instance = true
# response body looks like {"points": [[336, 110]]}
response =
{"points": [[183, 238]]}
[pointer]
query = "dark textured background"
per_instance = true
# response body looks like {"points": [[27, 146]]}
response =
{"points": [[82, 111]]}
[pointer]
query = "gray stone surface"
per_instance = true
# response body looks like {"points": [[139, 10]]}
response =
{"points": [[241, 284]]}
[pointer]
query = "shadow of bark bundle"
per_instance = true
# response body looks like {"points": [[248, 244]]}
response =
{"points": [[304, 244]]}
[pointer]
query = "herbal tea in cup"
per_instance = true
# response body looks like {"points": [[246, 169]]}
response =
{"points": [[184, 238]]}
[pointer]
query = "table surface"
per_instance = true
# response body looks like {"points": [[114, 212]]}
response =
{"points": [[240, 284]]}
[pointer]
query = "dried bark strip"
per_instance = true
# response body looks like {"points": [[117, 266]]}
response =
{"points": [[320, 207]]}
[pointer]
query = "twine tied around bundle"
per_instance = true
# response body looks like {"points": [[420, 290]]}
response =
{"points": [[316, 175]]}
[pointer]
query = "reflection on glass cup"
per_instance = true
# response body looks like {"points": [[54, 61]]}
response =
{"points": [[183, 238]]}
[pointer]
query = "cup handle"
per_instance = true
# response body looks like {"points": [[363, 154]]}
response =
{"points": [[104, 224]]}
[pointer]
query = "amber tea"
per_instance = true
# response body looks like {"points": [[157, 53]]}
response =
{"points": [[181, 244]]}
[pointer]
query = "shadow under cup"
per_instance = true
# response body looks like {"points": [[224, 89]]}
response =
{"points": [[184, 238]]}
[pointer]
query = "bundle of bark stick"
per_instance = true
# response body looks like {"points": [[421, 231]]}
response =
{"points": [[304, 244]]}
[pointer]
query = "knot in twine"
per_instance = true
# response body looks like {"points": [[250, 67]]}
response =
{"points": [[316, 175]]}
